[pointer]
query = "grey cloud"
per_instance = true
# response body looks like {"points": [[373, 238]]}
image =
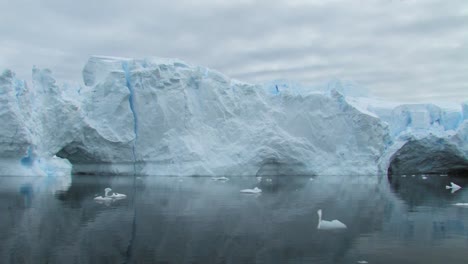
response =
{"points": [[403, 50]]}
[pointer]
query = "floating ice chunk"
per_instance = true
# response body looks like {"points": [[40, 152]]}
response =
{"points": [[259, 179], [220, 179], [461, 204], [109, 198], [453, 186], [362, 262], [424, 177], [105, 197], [328, 225], [118, 196], [253, 191]]}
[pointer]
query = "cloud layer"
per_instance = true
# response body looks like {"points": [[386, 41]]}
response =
{"points": [[410, 50]]}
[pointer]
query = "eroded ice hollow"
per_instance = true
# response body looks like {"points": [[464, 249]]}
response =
{"points": [[166, 117]]}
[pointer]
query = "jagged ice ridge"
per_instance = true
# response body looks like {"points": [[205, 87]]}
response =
{"points": [[166, 117]]}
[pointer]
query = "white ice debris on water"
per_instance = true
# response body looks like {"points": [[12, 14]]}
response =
{"points": [[255, 190], [166, 117], [109, 198], [453, 186], [105, 197]]}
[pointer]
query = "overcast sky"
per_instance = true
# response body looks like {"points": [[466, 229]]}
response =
{"points": [[411, 50]]}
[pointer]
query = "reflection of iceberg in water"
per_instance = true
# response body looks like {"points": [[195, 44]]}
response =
{"points": [[65, 221], [26, 191], [204, 212], [432, 192], [25, 203], [253, 230], [205, 221], [423, 219], [419, 195], [34, 186]]}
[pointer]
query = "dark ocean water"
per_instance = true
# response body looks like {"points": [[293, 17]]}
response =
{"points": [[200, 220]]}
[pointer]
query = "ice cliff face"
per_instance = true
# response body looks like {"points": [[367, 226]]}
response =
{"points": [[426, 138], [36, 123], [165, 117], [168, 117], [15, 137]]}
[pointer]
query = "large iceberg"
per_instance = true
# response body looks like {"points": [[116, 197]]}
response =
{"points": [[166, 117]]}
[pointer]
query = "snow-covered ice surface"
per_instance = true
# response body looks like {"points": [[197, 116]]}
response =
{"points": [[166, 117]]}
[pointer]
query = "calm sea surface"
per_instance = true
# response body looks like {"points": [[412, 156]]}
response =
{"points": [[199, 220]]}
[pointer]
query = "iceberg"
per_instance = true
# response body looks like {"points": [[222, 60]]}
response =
{"points": [[158, 116]]}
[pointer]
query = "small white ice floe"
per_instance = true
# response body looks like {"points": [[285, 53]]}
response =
{"points": [[105, 197], [424, 177], [269, 180], [443, 175], [403, 176], [259, 179], [461, 204], [252, 191], [118, 196], [362, 262], [220, 179], [329, 225], [413, 175], [109, 198], [311, 179], [453, 186]]}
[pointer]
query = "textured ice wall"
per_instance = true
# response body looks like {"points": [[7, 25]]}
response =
{"points": [[426, 138], [36, 122], [15, 138], [169, 117], [166, 117]]}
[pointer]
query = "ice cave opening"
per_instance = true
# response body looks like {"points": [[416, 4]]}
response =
{"points": [[275, 167], [83, 162], [75, 154], [430, 155]]}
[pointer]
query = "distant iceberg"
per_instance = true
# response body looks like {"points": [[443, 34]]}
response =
{"points": [[166, 117]]}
